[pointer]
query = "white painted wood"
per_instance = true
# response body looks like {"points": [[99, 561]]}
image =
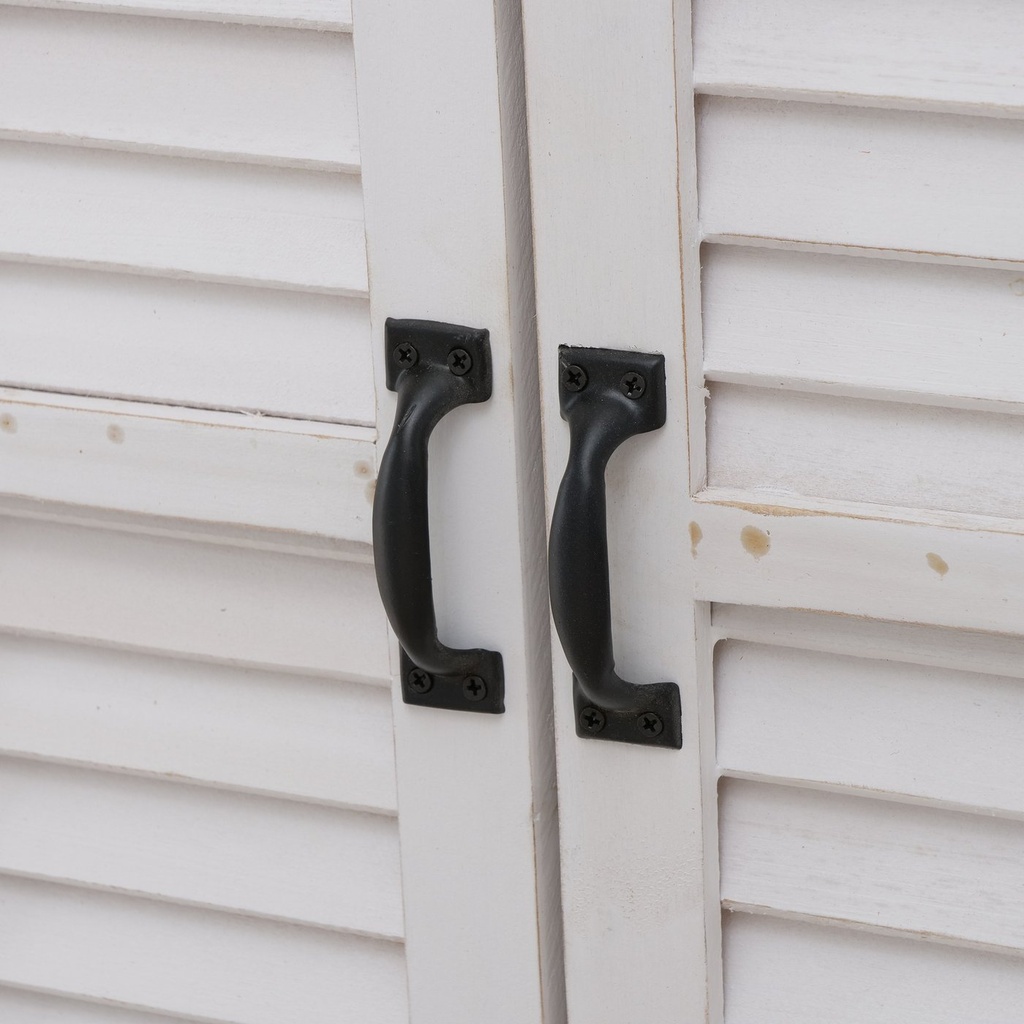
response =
{"points": [[321, 740], [322, 15], [882, 179], [443, 147], [896, 728], [215, 966], [838, 559], [914, 644], [187, 343], [178, 218], [786, 972], [249, 537], [226, 603], [39, 1008], [924, 331], [770, 442], [266, 857], [221, 467], [823, 501], [167, 86], [917, 52], [935, 873], [640, 889]]}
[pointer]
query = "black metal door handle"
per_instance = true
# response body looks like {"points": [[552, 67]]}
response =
{"points": [[606, 396], [435, 368]]}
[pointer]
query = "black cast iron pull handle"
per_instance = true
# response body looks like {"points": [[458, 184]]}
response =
{"points": [[606, 396], [435, 368]]}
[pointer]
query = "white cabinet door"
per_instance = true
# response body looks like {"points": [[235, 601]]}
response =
{"points": [[443, 149], [813, 213], [212, 805]]}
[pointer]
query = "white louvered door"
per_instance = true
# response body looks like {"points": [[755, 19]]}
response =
{"points": [[211, 806], [814, 211]]}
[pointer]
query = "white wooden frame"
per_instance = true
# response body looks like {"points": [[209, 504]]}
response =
{"points": [[640, 886], [614, 190], [445, 183]]}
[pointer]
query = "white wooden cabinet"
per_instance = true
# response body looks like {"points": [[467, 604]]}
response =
{"points": [[808, 208], [214, 805], [211, 806]]}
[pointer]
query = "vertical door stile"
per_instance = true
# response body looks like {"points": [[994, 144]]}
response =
{"points": [[639, 862], [440, 91]]}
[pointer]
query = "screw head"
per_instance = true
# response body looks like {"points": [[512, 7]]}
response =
{"points": [[406, 355], [460, 362], [474, 688], [649, 724], [633, 385], [591, 719], [419, 681], [574, 378]]}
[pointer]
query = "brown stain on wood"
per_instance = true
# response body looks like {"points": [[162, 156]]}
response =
{"points": [[985, 526], [774, 510], [363, 469], [115, 434], [371, 488], [940, 565], [755, 542], [696, 536], [8, 424]]}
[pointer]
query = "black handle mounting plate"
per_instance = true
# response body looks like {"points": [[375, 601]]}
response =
{"points": [[607, 396], [483, 692], [434, 367], [655, 721]]}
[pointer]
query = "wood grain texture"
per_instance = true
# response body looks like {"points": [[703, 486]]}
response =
{"points": [[323, 15], [925, 732], [218, 467], [170, 217], [848, 176], [919, 52], [184, 342], [190, 844], [224, 91], [194, 963], [41, 1008], [933, 873], [775, 442], [263, 732], [787, 972], [921, 331], [228, 604]]}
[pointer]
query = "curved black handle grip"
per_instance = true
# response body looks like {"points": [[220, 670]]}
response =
{"points": [[434, 367], [606, 396]]}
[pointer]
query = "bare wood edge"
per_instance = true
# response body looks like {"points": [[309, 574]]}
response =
{"points": [[788, 505]]}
